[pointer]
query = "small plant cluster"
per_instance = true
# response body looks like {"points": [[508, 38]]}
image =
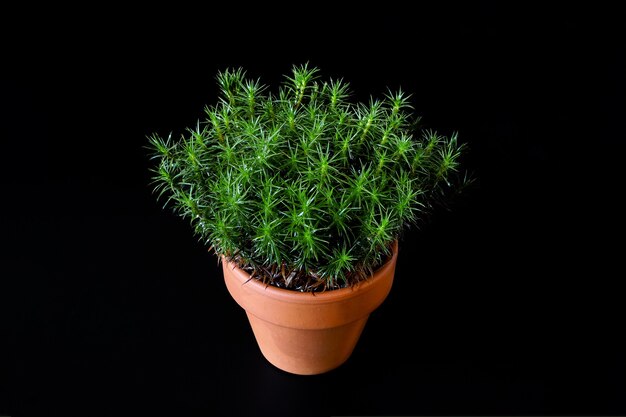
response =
{"points": [[303, 187]]}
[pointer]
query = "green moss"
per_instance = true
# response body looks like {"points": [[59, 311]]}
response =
{"points": [[303, 186]]}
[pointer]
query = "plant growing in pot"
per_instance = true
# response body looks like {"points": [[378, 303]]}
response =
{"points": [[303, 194]]}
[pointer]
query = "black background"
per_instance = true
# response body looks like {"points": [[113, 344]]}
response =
{"points": [[509, 304]]}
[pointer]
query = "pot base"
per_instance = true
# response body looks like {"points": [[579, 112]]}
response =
{"points": [[306, 351]]}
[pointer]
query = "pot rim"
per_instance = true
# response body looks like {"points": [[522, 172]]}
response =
{"points": [[300, 297]]}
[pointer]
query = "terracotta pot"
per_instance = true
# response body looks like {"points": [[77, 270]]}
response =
{"points": [[305, 333]]}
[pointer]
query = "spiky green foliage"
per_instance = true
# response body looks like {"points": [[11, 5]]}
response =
{"points": [[303, 187]]}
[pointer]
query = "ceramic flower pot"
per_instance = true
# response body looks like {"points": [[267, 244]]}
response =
{"points": [[306, 333]]}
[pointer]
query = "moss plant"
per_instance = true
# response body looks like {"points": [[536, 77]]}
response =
{"points": [[303, 187]]}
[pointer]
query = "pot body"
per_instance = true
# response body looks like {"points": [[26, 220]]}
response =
{"points": [[308, 333]]}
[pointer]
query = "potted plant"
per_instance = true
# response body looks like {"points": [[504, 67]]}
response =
{"points": [[303, 193]]}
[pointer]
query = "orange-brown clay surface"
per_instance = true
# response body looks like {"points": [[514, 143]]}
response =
{"points": [[308, 333]]}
